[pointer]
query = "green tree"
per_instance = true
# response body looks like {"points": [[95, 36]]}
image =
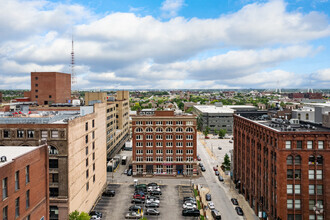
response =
{"points": [[181, 105], [79, 216], [222, 133], [216, 132], [206, 131], [226, 162]]}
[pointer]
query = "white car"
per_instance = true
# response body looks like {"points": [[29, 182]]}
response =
{"points": [[152, 200], [211, 205], [94, 217], [188, 206], [153, 188]]}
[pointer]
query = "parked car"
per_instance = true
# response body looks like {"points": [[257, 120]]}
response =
{"points": [[135, 208], [152, 200], [189, 198], [133, 215], [215, 169], [203, 169], [138, 196], [138, 201], [98, 214], [188, 205], [190, 212], [216, 214], [94, 217], [129, 172], [125, 172], [210, 205], [220, 178], [217, 173], [152, 212], [234, 201], [239, 211], [201, 164], [230, 141], [152, 184], [208, 197], [153, 188], [199, 158], [153, 197], [219, 148], [109, 193], [152, 205], [155, 192], [190, 201]]}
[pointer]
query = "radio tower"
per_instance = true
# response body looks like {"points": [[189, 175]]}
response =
{"points": [[73, 74]]}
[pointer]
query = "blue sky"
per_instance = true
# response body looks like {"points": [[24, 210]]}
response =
{"points": [[168, 44]]}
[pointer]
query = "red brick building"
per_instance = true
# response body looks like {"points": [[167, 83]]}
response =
{"points": [[50, 87], [164, 144], [283, 170], [24, 182]]}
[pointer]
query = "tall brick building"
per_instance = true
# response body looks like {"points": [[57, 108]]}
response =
{"points": [[164, 144], [50, 87], [24, 182], [283, 170]]}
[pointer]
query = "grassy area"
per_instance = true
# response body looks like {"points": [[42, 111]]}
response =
{"points": [[202, 217], [195, 192], [199, 204]]}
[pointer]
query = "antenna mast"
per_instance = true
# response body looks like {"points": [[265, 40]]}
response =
{"points": [[73, 74]]}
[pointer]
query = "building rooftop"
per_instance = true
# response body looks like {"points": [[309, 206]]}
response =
{"points": [[13, 152], [214, 109]]}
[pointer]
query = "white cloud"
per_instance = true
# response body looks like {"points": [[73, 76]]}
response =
{"points": [[321, 75], [170, 8]]}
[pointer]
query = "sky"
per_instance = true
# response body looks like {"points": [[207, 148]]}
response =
{"points": [[168, 44]]}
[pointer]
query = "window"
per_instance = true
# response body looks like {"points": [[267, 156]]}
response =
{"points": [[53, 163], [189, 123], [159, 168], [149, 144], [179, 137], [318, 174], [299, 144], [6, 134], [149, 158], [159, 137], [159, 151], [86, 150], [319, 160], [149, 137], [169, 159], [17, 207], [30, 134], [27, 174], [311, 204], [169, 151], [50, 96], [169, 123], [179, 159], [27, 201], [159, 122], [93, 145], [139, 151], [309, 144], [159, 144], [159, 158], [93, 135], [87, 186], [139, 130], [149, 130], [190, 159], [139, 144], [36, 85], [150, 152], [312, 217], [297, 160], [180, 151], [93, 123], [36, 90], [138, 137], [86, 126], [311, 174], [86, 139], [297, 189], [311, 160], [169, 130], [159, 130], [4, 188], [289, 160], [311, 189], [287, 144], [169, 144], [138, 122], [190, 151], [169, 137], [139, 159], [189, 137], [36, 78], [319, 189], [87, 162], [44, 134], [87, 173], [94, 178], [169, 169], [54, 178], [289, 204], [20, 133], [289, 174], [189, 130], [297, 174], [179, 144], [5, 213], [149, 123], [93, 166], [289, 189], [139, 169], [179, 130], [179, 123], [54, 134], [16, 180], [36, 96], [297, 204], [189, 144], [320, 145], [53, 150]]}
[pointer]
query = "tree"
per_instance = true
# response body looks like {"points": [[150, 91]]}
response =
{"points": [[79, 216], [206, 131], [216, 132], [226, 162], [222, 133]]}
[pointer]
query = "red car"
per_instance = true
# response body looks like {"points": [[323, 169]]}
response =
{"points": [[199, 158], [138, 196], [215, 169]]}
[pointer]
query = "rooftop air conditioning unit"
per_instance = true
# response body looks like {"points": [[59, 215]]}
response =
{"points": [[3, 159]]}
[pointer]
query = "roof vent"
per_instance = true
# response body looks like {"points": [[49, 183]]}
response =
{"points": [[3, 159]]}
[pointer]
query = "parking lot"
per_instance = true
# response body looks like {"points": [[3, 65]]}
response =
{"points": [[170, 202]]}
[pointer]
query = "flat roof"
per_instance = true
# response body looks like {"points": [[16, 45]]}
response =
{"points": [[214, 109], [13, 152]]}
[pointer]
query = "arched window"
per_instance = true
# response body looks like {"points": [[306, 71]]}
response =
{"points": [[139, 130], [179, 130], [297, 160], [289, 160], [149, 129], [311, 159], [169, 130], [189, 129], [159, 130], [53, 150], [319, 160]]}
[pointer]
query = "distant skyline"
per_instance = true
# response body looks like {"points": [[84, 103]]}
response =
{"points": [[169, 44]]}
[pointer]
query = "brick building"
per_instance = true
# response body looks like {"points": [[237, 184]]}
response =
{"points": [[50, 87], [282, 169], [77, 153], [24, 182], [164, 144]]}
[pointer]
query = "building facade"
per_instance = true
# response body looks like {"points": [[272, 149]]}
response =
{"points": [[281, 169], [24, 182], [164, 144], [77, 153], [50, 87]]}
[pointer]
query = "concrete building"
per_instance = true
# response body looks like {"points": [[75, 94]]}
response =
{"points": [[219, 116], [282, 169], [24, 182], [164, 144], [50, 87], [117, 118], [77, 153]]}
